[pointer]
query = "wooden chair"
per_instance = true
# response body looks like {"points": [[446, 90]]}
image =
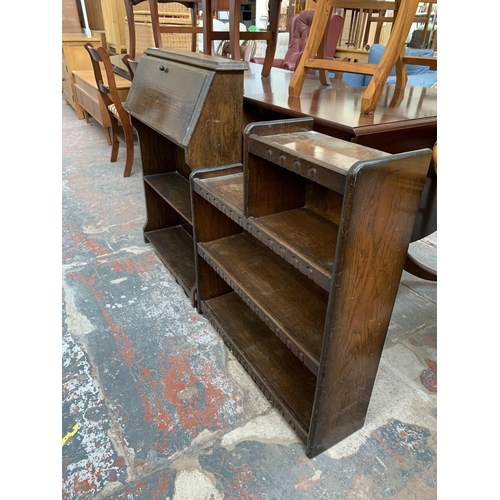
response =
{"points": [[235, 36], [299, 28], [118, 116], [131, 65], [157, 28], [394, 54], [211, 34]]}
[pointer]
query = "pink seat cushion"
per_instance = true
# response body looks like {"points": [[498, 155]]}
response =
{"points": [[300, 26]]}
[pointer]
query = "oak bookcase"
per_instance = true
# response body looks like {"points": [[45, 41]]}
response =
{"points": [[299, 255]]}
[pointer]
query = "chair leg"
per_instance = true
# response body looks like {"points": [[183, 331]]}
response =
{"points": [[208, 46], [234, 29], [273, 27], [108, 135], [324, 78], [153, 8], [114, 136], [318, 28], [129, 144], [194, 36]]}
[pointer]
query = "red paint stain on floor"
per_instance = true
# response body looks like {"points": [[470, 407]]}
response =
{"points": [[145, 373], [240, 485], [131, 491], [81, 485], [126, 349], [159, 492], [197, 401], [396, 456], [429, 377], [130, 266], [156, 413], [97, 249]]}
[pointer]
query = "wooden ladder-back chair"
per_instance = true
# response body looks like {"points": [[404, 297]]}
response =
{"points": [[159, 28], [118, 116], [235, 36], [394, 54], [131, 65], [211, 34]]}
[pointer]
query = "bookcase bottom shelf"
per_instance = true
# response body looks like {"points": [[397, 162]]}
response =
{"points": [[174, 247], [284, 380]]}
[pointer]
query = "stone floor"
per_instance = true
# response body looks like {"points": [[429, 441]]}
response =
{"points": [[155, 407]]}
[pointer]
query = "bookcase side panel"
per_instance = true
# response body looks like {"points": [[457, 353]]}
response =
{"points": [[379, 209]]}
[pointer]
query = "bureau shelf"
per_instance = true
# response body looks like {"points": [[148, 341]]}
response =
{"points": [[174, 189], [174, 247], [303, 238], [292, 307], [285, 381], [227, 191]]}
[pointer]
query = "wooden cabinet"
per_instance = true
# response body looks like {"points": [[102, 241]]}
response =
{"points": [[299, 256], [70, 17], [76, 57], [113, 16], [94, 15], [187, 111]]}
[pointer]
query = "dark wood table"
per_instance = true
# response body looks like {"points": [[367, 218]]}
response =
{"points": [[412, 124], [403, 121]]}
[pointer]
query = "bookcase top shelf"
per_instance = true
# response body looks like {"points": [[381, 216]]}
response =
{"points": [[328, 153]]}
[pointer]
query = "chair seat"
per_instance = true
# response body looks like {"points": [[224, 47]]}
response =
{"points": [[114, 111]]}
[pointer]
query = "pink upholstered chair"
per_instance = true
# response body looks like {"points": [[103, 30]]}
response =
{"points": [[300, 25]]}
